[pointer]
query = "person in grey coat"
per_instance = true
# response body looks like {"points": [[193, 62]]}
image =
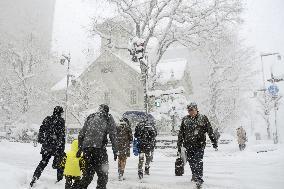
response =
{"points": [[92, 141], [242, 138]]}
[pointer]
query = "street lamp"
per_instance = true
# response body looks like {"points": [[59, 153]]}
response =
{"points": [[272, 91], [62, 61], [261, 57]]}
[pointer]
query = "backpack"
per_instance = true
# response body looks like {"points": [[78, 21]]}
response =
{"points": [[48, 132], [148, 134], [136, 147]]}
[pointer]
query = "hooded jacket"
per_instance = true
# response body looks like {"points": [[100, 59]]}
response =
{"points": [[52, 134], [124, 138], [72, 164], [241, 134]]}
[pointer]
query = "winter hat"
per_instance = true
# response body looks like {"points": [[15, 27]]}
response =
{"points": [[124, 120], [57, 110], [103, 108], [192, 105]]}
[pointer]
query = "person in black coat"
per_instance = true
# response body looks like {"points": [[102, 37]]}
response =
{"points": [[52, 138], [146, 133], [192, 136]]}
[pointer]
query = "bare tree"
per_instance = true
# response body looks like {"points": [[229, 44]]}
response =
{"points": [[81, 96], [267, 103], [230, 77], [22, 66], [162, 23]]}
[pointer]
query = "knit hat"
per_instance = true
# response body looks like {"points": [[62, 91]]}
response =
{"points": [[192, 105]]}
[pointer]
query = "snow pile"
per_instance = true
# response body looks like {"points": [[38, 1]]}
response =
{"points": [[227, 168]]}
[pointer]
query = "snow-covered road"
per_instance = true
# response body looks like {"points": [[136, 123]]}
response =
{"points": [[226, 168]]}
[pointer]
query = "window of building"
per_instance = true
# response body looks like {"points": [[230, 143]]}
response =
{"points": [[133, 97], [107, 69]]}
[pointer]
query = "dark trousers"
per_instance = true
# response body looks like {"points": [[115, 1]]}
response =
{"points": [[242, 146], [96, 161], [195, 160], [148, 156], [46, 155], [71, 182]]}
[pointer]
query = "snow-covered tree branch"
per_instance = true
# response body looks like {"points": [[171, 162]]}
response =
{"points": [[21, 66], [230, 75], [162, 23]]}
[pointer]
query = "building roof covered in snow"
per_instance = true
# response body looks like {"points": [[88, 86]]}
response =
{"points": [[171, 69], [75, 75]]}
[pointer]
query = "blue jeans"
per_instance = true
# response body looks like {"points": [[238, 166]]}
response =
{"points": [[195, 160]]}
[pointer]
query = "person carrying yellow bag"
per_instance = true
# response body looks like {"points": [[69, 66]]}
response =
{"points": [[72, 167]]}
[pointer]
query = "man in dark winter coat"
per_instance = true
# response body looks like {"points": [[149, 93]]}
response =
{"points": [[192, 136], [146, 134], [92, 142], [52, 137]]}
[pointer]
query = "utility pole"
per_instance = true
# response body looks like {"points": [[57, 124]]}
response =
{"points": [[266, 105], [266, 102], [273, 92], [139, 55], [62, 61]]}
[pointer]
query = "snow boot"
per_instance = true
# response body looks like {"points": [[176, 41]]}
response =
{"points": [[198, 185], [33, 181], [140, 174], [193, 179], [147, 172], [120, 175], [120, 178]]}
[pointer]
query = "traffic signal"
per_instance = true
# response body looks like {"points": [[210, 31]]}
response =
{"points": [[137, 51]]}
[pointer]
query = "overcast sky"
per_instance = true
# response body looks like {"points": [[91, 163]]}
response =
{"points": [[263, 29]]}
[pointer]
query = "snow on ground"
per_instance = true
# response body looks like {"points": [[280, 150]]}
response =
{"points": [[227, 168]]}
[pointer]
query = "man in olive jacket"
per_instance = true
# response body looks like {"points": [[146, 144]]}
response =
{"points": [[92, 141], [192, 136]]}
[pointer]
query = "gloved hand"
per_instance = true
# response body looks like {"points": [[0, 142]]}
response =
{"points": [[179, 149], [79, 153], [215, 146], [115, 154]]}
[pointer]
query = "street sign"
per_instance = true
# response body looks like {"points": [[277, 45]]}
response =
{"points": [[158, 102], [273, 90]]}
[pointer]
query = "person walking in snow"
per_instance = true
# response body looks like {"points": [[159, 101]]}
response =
{"points": [[34, 138], [242, 138], [73, 166], [192, 136], [124, 138], [92, 142], [145, 133], [52, 138]]}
